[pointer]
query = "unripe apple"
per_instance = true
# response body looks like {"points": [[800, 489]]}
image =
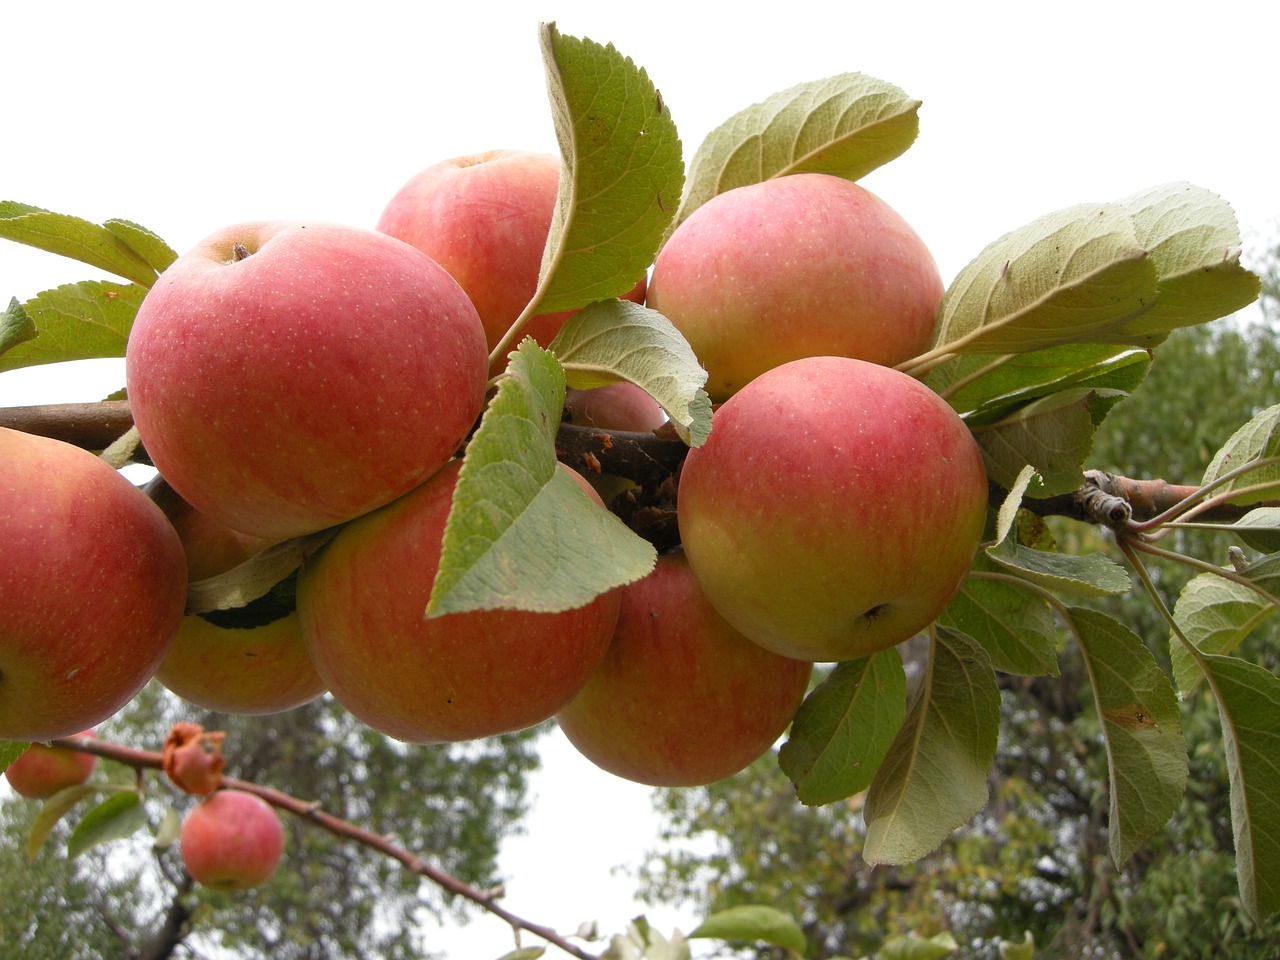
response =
{"points": [[835, 508], [248, 661], [798, 266], [92, 586], [286, 377], [43, 770], [231, 840], [485, 218], [682, 698], [455, 677]]}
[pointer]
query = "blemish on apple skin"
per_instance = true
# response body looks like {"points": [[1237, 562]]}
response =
{"points": [[72, 672]]}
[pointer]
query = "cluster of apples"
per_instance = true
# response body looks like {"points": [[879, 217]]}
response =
{"points": [[287, 378]]}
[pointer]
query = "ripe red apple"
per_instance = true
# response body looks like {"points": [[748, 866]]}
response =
{"points": [[231, 840], [286, 377], [835, 508], [455, 677], [248, 661], [43, 770], [485, 218], [799, 266], [615, 406], [92, 586], [682, 698]]}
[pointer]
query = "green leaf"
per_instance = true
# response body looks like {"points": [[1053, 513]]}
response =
{"points": [[158, 254], [1026, 950], [620, 340], [527, 953], [1249, 702], [1054, 434], [169, 830], [255, 577], [642, 942], [73, 237], [11, 750], [621, 176], [522, 534], [1215, 614], [1007, 515], [1075, 275], [1257, 439], [1014, 625], [1081, 575], [846, 125], [757, 924], [15, 326], [844, 727], [115, 818], [56, 807], [1146, 754], [911, 946], [1259, 529], [934, 777], [1194, 242], [77, 321]]}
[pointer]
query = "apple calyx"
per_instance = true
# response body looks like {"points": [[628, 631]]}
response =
{"points": [[193, 759]]}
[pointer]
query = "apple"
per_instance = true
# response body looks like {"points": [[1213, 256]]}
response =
{"points": [[249, 661], [485, 218], [798, 266], [455, 677], [835, 508], [92, 586], [231, 840], [286, 377], [43, 770], [682, 698], [615, 406]]}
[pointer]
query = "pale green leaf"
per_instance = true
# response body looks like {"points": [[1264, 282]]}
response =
{"points": [[77, 321], [1256, 440], [934, 777], [1074, 275], [1024, 950], [844, 727], [621, 175], [73, 237], [169, 830], [1146, 754], [755, 924], [526, 953], [642, 942], [1081, 575], [1259, 529], [158, 254], [1014, 625], [620, 340], [1192, 237], [522, 534], [911, 946], [1215, 614], [15, 326], [846, 125], [255, 577], [1008, 512], [1249, 702], [119, 816]]}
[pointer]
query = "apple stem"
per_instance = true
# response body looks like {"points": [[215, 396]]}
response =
{"points": [[239, 252]]}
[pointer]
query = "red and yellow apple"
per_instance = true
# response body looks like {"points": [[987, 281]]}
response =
{"points": [[798, 266], [44, 770], [835, 508], [682, 698], [286, 377], [92, 586], [249, 661], [485, 218], [231, 840], [455, 677]]}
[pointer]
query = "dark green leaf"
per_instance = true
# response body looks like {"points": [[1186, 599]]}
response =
{"points": [[1082, 575], [844, 727], [115, 818], [1014, 625]]}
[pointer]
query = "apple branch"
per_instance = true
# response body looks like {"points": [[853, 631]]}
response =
{"points": [[313, 811]]}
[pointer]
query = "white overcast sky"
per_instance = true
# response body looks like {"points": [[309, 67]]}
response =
{"points": [[187, 117]]}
